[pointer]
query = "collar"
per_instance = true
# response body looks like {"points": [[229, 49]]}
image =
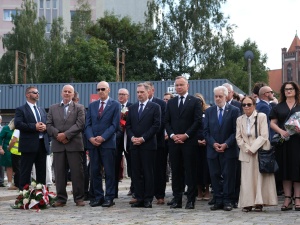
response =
{"points": [[151, 99], [145, 102], [229, 102], [185, 95], [124, 103], [265, 101], [105, 101], [62, 103], [31, 105]]}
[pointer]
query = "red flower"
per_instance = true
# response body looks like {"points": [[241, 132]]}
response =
{"points": [[42, 202], [26, 187]]}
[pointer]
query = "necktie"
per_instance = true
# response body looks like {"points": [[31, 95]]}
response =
{"points": [[141, 110], [37, 114], [220, 116], [101, 109], [181, 104], [122, 106], [65, 110]]}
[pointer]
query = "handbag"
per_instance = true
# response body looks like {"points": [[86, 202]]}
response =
{"points": [[266, 158], [277, 140]]}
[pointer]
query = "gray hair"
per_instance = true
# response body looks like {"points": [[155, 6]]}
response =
{"points": [[227, 85], [221, 88], [145, 85]]}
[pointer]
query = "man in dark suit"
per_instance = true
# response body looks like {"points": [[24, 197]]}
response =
{"points": [[142, 124], [102, 123], [222, 150], [161, 154], [123, 96], [65, 123], [182, 121], [229, 98], [34, 140]]}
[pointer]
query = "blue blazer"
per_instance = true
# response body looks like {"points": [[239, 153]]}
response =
{"points": [[224, 133], [105, 126], [265, 108], [147, 126], [29, 136]]}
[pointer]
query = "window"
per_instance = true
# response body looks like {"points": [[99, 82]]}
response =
{"points": [[48, 27], [48, 4], [7, 14], [72, 13], [41, 4], [54, 6]]}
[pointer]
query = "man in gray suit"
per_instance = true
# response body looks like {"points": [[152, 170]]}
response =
{"points": [[65, 123]]}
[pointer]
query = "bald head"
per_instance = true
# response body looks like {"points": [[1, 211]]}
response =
{"points": [[266, 93]]}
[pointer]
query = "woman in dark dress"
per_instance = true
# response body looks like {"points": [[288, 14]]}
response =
{"points": [[289, 153], [203, 178]]}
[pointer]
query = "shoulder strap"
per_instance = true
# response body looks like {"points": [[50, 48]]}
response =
{"points": [[255, 124]]}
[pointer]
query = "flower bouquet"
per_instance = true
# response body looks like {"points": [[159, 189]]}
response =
{"points": [[124, 114], [38, 197], [292, 125]]}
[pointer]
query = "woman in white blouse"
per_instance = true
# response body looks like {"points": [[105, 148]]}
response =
{"points": [[257, 189]]}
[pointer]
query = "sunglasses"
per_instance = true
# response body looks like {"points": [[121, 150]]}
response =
{"points": [[247, 104], [34, 92], [101, 89], [289, 89]]}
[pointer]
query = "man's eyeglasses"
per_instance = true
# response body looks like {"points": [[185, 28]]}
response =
{"points": [[289, 89], [247, 104], [101, 89], [122, 94], [269, 92], [34, 92]]}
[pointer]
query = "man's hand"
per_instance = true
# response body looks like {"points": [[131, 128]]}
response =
{"points": [[40, 127], [61, 137], [94, 141], [137, 140], [202, 142], [219, 147], [179, 138]]}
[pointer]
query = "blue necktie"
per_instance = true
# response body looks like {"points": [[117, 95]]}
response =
{"points": [[37, 114], [220, 116], [141, 110]]}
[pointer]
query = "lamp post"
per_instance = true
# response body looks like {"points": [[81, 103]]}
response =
{"points": [[249, 56]]}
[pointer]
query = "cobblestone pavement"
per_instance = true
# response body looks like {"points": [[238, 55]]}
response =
{"points": [[122, 213]]}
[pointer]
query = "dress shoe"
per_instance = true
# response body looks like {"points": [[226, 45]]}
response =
{"points": [[58, 204], [80, 203], [129, 193], [212, 201], [138, 204], [176, 205], [147, 205], [217, 206], [227, 207], [235, 205], [160, 201], [108, 203], [132, 201], [190, 205], [96, 203], [171, 202], [86, 197]]}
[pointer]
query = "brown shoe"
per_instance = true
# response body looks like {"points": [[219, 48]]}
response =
{"points": [[80, 203], [12, 188], [58, 204], [160, 201], [132, 201]]}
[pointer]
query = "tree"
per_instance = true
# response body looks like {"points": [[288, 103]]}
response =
{"points": [[138, 41], [27, 36], [190, 34]]}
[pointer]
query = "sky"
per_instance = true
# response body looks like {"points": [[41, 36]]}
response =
{"points": [[272, 24]]}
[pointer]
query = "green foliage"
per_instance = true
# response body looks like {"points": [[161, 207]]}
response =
{"points": [[138, 41]]}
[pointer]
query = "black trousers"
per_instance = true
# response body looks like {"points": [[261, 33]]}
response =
{"points": [[16, 163], [160, 173]]}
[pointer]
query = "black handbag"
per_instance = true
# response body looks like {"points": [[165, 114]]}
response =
{"points": [[277, 140], [266, 158]]}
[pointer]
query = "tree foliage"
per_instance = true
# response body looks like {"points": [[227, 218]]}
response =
{"points": [[138, 41]]}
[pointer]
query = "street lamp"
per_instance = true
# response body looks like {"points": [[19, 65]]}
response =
{"points": [[249, 56]]}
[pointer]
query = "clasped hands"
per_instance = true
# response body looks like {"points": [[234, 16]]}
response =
{"points": [[179, 138], [137, 140], [96, 141], [40, 127], [219, 147]]}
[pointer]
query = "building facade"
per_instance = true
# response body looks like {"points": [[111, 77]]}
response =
{"points": [[52, 9]]}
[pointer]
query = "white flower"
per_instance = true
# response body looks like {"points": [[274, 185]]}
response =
{"points": [[33, 184], [25, 201], [39, 186], [124, 110], [24, 192], [21, 193]]}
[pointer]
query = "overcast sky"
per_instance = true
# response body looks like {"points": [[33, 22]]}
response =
{"points": [[272, 24]]}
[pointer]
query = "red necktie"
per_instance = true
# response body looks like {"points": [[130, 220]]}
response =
{"points": [[101, 109]]}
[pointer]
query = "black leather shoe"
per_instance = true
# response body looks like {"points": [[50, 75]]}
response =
{"points": [[96, 203], [108, 203], [171, 202], [190, 205], [235, 205], [212, 201], [176, 205], [147, 204], [227, 207], [216, 206], [137, 204]]}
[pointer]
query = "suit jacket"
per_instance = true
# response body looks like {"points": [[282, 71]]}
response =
{"points": [[72, 126], [160, 136], [105, 126], [237, 104], [188, 121], [120, 134], [29, 136], [263, 107], [147, 126], [252, 143], [224, 133]]}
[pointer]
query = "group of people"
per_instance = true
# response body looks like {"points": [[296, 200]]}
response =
{"points": [[204, 145]]}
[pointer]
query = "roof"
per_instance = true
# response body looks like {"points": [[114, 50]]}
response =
{"points": [[296, 42]]}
